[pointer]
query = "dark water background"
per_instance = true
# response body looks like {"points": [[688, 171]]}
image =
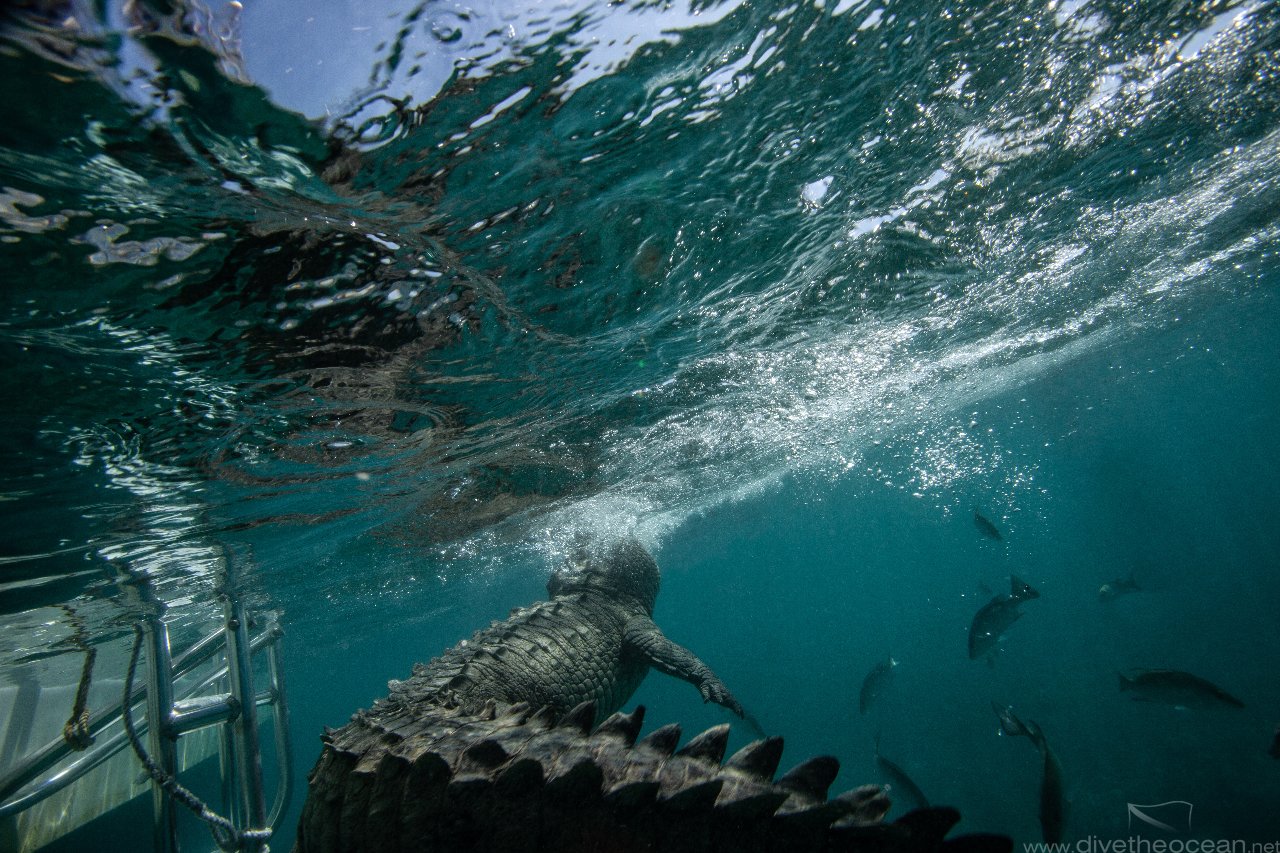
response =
{"points": [[385, 305]]}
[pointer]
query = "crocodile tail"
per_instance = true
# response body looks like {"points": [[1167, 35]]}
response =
{"points": [[506, 780]]}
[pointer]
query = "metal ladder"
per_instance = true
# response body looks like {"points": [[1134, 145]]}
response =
{"points": [[56, 766]]}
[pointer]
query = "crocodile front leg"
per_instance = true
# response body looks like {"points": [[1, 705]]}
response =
{"points": [[644, 638]]}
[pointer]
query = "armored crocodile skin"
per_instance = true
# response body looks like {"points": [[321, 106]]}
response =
{"points": [[490, 747], [595, 640]]}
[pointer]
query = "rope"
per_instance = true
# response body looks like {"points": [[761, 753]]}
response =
{"points": [[76, 732], [225, 834]]}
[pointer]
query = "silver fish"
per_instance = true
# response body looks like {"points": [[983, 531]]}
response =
{"points": [[996, 616], [984, 525], [900, 781], [1116, 588], [1053, 800], [753, 725], [876, 682], [1177, 688]]}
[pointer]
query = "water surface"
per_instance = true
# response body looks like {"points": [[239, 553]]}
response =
{"points": [[383, 306]]}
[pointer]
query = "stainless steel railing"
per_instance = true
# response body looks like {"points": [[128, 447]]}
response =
{"points": [[56, 765]]}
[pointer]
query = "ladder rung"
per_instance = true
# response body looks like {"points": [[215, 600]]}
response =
{"points": [[22, 786], [191, 714]]}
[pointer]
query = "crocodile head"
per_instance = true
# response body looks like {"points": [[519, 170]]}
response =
{"points": [[619, 569]]}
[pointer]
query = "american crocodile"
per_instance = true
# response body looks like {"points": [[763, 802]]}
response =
{"points": [[499, 745]]}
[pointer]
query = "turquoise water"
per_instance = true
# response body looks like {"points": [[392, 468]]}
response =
{"points": [[387, 305]]}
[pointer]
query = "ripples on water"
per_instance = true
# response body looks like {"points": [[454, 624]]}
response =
{"points": [[536, 269]]}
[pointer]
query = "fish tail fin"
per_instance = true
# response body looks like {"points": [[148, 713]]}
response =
{"points": [[1020, 589], [1034, 731], [1125, 681]]}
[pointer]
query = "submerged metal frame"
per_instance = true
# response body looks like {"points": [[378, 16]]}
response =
{"points": [[168, 718]]}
